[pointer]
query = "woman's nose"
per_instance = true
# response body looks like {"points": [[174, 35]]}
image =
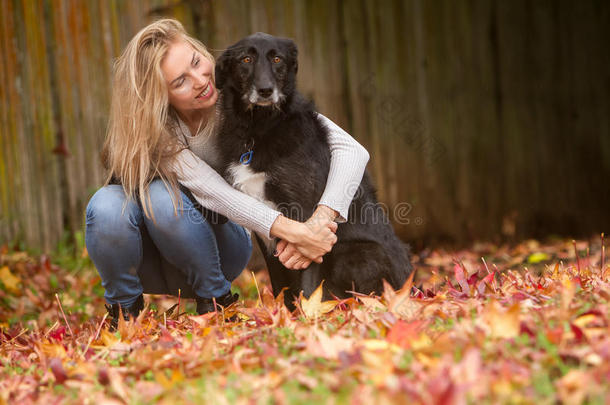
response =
{"points": [[199, 82]]}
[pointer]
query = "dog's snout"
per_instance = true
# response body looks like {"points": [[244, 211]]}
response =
{"points": [[265, 91]]}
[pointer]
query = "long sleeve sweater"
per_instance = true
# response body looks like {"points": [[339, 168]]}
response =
{"points": [[196, 169]]}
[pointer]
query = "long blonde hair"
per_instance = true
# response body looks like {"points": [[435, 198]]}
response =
{"points": [[140, 138]]}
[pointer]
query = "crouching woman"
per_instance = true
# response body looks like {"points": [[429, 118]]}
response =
{"points": [[145, 233]]}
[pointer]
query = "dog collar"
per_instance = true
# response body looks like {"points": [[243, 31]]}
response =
{"points": [[246, 157]]}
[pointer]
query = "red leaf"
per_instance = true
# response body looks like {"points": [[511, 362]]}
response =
{"points": [[523, 328], [58, 370], [58, 333], [103, 376], [554, 335], [461, 278], [578, 333], [402, 333]]}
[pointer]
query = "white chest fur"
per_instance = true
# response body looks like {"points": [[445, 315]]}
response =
{"points": [[253, 184]]}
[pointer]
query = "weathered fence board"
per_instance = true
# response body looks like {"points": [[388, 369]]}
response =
{"points": [[484, 119]]}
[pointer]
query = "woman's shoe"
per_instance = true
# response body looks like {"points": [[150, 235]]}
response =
{"points": [[205, 305], [131, 311]]}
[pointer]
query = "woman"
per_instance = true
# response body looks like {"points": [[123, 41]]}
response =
{"points": [[145, 235]]}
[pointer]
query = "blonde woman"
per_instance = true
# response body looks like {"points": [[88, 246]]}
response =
{"points": [[143, 233]]}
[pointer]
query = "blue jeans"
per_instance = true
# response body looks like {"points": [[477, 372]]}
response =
{"points": [[134, 255]]}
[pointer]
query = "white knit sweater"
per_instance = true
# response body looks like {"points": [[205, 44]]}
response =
{"points": [[196, 169]]}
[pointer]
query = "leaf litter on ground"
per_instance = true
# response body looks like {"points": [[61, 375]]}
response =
{"points": [[500, 324]]}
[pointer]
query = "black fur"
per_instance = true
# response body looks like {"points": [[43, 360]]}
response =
{"points": [[291, 147]]}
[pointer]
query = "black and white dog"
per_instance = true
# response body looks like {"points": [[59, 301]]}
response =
{"points": [[275, 149]]}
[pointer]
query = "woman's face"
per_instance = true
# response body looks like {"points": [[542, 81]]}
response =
{"points": [[188, 75]]}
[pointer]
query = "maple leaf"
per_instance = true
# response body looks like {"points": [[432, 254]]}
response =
{"points": [[314, 307], [372, 304], [459, 270], [400, 302], [403, 333]]}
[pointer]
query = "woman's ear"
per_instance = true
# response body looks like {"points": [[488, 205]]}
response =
{"points": [[222, 70]]}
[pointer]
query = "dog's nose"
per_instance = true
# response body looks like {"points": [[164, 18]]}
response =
{"points": [[265, 92]]}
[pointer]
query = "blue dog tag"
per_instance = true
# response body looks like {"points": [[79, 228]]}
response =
{"points": [[246, 158]]}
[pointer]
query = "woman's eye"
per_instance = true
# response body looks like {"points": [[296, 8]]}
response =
{"points": [[277, 59], [180, 83], [197, 62], [247, 59]]}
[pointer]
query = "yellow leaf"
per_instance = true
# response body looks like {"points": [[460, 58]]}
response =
{"points": [[10, 281], [314, 307], [372, 304], [538, 257], [567, 294], [584, 320], [167, 383], [504, 324], [53, 350], [379, 365], [379, 344], [108, 339], [422, 342]]}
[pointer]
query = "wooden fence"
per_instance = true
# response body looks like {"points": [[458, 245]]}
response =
{"points": [[484, 119]]}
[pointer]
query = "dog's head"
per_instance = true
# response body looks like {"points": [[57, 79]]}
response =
{"points": [[260, 69]]}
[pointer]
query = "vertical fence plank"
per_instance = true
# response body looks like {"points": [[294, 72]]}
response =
{"points": [[476, 113]]}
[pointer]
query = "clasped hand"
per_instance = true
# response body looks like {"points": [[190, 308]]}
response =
{"points": [[317, 239]]}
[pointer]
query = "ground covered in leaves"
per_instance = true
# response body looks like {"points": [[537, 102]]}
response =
{"points": [[491, 324]]}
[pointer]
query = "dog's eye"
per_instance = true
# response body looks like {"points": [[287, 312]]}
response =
{"points": [[277, 59], [247, 59]]}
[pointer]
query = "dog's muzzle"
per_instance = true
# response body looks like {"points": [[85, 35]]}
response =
{"points": [[264, 97]]}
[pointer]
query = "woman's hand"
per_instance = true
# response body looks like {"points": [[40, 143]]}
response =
{"points": [[290, 256], [299, 255]]}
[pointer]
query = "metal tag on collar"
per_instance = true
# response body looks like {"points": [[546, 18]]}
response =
{"points": [[246, 157]]}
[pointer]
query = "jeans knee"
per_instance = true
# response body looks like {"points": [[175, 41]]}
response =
{"points": [[106, 208], [166, 213], [248, 248]]}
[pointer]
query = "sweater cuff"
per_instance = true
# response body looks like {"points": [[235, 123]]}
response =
{"points": [[258, 217], [336, 205], [266, 226]]}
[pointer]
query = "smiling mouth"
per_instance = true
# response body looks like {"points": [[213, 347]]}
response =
{"points": [[206, 92]]}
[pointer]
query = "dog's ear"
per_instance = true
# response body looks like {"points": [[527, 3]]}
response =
{"points": [[292, 52], [222, 70]]}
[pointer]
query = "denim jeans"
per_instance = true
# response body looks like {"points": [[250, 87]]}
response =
{"points": [[135, 255]]}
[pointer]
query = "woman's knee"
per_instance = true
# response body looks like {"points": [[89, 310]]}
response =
{"points": [[108, 208], [166, 213]]}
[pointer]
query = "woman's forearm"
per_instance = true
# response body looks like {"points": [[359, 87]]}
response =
{"points": [[348, 160], [214, 193], [285, 228]]}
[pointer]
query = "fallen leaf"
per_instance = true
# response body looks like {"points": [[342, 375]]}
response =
{"points": [[314, 307], [10, 281], [503, 324]]}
